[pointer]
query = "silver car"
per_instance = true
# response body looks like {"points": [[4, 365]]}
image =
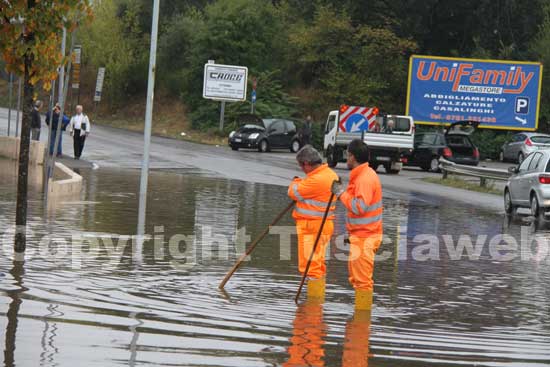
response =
{"points": [[523, 144], [529, 185]]}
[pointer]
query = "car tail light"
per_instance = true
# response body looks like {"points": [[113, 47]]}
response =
{"points": [[404, 160], [528, 142], [476, 153], [447, 153], [544, 179]]}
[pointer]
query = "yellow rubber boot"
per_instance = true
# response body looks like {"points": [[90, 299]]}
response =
{"points": [[316, 288], [363, 299]]}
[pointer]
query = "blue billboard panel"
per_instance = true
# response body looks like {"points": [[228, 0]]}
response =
{"points": [[498, 94]]}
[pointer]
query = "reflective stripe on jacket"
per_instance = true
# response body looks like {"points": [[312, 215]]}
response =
{"points": [[312, 194], [363, 201]]}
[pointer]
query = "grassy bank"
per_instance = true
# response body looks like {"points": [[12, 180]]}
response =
{"points": [[463, 184], [169, 120]]}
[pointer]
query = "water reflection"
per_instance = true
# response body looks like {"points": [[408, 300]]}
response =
{"points": [[12, 315], [112, 312], [308, 336], [357, 337]]}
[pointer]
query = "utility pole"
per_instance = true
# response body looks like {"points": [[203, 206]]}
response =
{"points": [[138, 251], [10, 92]]}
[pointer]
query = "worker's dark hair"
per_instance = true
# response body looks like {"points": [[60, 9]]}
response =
{"points": [[359, 149]]}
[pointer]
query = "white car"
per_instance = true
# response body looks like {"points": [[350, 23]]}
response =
{"points": [[529, 185]]}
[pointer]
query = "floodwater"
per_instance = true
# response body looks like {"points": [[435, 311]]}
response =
{"points": [[88, 296]]}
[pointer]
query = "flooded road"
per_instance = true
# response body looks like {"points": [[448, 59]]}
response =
{"points": [[91, 295]]}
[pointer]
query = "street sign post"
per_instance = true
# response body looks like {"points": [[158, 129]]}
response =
{"points": [[99, 84], [253, 96], [77, 57]]}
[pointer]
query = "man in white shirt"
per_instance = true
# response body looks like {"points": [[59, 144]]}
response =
{"points": [[79, 128]]}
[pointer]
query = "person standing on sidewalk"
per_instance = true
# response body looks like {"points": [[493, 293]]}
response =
{"points": [[312, 195], [36, 121], [53, 118], [79, 127], [307, 131], [363, 201]]}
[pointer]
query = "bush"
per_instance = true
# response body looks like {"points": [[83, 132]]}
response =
{"points": [[489, 142]]}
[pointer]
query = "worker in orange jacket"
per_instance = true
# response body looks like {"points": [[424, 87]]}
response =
{"points": [[363, 201], [312, 195]]}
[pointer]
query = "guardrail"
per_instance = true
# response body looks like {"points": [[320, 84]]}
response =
{"points": [[483, 173]]}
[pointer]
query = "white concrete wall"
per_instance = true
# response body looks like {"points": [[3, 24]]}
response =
{"points": [[65, 183], [9, 148]]}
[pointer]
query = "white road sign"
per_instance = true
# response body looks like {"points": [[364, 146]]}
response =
{"points": [[99, 84], [225, 82]]}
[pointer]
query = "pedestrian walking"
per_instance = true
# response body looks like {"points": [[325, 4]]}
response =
{"points": [[312, 195], [53, 118], [79, 127], [363, 201], [36, 121]]}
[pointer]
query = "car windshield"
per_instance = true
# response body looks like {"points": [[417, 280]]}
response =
{"points": [[541, 139], [268, 122], [458, 141], [425, 139]]}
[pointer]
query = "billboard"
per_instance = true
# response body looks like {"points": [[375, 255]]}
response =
{"points": [[498, 94], [225, 82]]}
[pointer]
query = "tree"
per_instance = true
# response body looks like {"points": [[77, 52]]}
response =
{"points": [[29, 42]]}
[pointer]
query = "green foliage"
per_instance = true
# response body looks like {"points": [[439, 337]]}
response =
{"points": [[354, 65], [326, 52], [490, 142], [113, 42]]}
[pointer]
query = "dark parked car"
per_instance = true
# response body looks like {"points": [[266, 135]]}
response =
{"points": [[266, 134], [454, 145]]}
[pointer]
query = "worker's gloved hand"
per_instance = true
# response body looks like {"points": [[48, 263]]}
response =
{"points": [[337, 188]]}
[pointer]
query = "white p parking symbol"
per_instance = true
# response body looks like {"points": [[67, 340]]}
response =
{"points": [[522, 105]]}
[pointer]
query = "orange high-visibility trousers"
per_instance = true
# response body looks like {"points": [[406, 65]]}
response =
{"points": [[307, 231], [361, 260], [308, 337]]}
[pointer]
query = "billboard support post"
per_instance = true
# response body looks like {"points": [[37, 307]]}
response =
{"points": [[222, 114]]}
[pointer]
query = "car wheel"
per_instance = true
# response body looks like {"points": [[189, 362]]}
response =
{"points": [[501, 156], [535, 209], [331, 158], [263, 147], [295, 146], [434, 164], [389, 170], [234, 147], [508, 206], [520, 158]]}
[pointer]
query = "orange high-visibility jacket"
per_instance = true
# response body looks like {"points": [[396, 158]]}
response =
{"points": [[363, 200], [312, 194]]}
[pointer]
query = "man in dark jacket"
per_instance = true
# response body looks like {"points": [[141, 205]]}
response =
{"points": [[55, 126], [307, 131], [36, 122]]}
